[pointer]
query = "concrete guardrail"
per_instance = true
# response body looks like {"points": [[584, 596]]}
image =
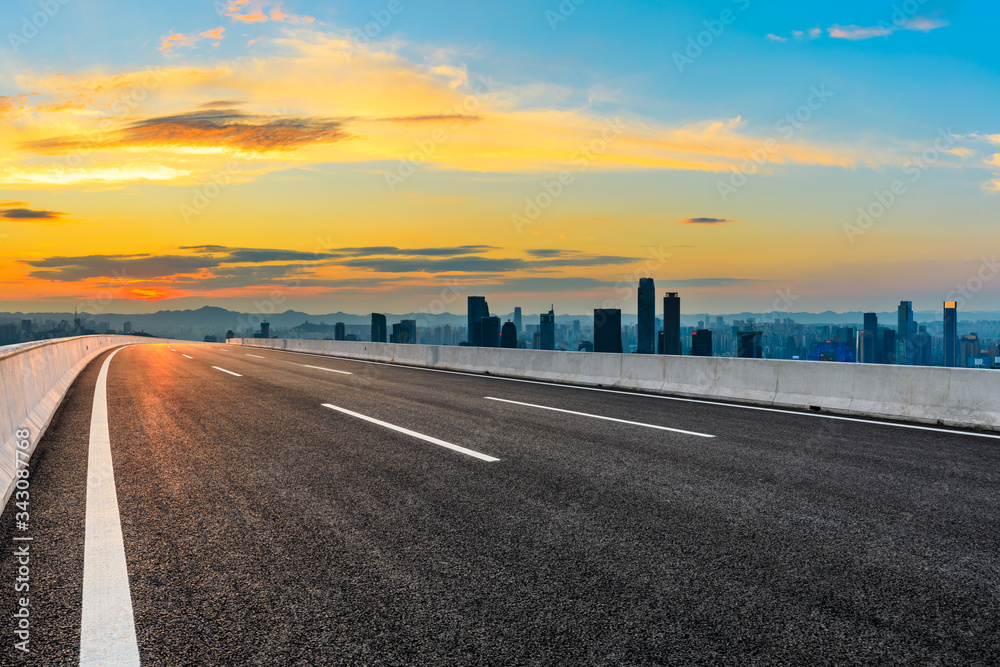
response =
{"points": [[35, 377], [946, 396]]}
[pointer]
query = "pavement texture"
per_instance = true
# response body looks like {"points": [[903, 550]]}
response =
{"points": [[261, 528]]}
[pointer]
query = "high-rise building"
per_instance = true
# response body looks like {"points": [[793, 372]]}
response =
{"points": [[404, 332], [922, 347], [749, 345], [608, 330], [647, 316], [339, 331], [378, 328], [701, 343], [671, 324], [904, 334], [866, 349], [871, 330], [127, 327], [508, 335], [265, 329], [888, 346], [547, 327], [969, 348], [491, 331], [478, 309], [950, 334], [26, 326], [517, 318]]}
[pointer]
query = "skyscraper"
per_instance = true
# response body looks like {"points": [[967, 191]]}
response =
{"points": [[339, 331], [647, 316], [478, 309], [547, 325], [701, 343], [405, 332], [749, 346], [265, 329], [508, 335], [950, 334], [671, 324], [517, 318], [869, 345], [378, 328], [608, 330], [904, 334], [491, 331]]}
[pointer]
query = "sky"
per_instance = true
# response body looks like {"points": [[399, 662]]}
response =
{"points": [[399, 156]]}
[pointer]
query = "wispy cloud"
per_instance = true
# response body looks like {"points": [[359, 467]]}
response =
{"points": [[176, 40], [30, 214], [857, 33], [705, 221], [261, 11]]}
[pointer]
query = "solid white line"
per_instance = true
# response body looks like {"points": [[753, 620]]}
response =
{"points": [[661, 397], [421, 436], [107, 628], [257, 356], [184, 355], [225, 371], [610, 419], [332, 370]]}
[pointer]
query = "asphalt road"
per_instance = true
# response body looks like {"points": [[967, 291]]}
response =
{"points": [[262, 527]]}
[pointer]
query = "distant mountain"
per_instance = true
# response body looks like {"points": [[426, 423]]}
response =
{"points": [[212, 320]]}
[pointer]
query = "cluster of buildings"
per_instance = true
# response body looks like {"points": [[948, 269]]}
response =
{"points": [[28, 330], [905, 343]]}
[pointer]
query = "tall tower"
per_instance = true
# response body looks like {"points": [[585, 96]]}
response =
{"points": [[608, 330], [950, 334], [508, 335], [647, 316], [904, 334], [547, 326], [517, 318], [671, 324], [378, 328], [478, 309], [869, 344]]}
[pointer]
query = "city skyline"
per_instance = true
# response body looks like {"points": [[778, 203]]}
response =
{"points": [[742, 154]]}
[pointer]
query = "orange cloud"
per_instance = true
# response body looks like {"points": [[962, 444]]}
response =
{"points": [[177, 40], [261, 11]]}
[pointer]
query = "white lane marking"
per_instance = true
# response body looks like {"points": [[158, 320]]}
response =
{"points": [[184, 355], [225, 371], [256, 356], [678, 399], [421, 436], [107, 628], [332, 370], [610, 419], [222, 349]]}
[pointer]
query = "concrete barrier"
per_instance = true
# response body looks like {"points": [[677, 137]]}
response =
{"points": [[947, 396], [35, 377]]}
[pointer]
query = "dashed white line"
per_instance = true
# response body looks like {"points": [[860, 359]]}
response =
{"points": [[610, 419], [107, 628], [662, 397], [332, 370], [184, 355], [256, 356], [421, 436], [225, 371]]}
